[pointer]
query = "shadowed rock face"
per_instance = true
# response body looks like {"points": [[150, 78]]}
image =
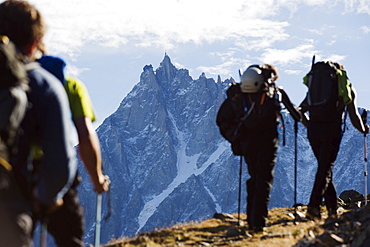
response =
{"points": [[350, 228], [351, 199]]}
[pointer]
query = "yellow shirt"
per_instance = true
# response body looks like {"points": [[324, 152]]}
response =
{"points": [[79, 99]]}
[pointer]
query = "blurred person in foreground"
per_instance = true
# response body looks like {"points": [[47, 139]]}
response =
{"points": [[46, 128]]}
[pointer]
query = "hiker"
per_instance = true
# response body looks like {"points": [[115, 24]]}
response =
{"points": [[59, 222], [248, 118], [46, 129], [324, 130], [83, 116], [16, 223]]}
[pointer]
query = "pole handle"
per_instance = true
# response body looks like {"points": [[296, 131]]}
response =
{"points": [[364, 118]]}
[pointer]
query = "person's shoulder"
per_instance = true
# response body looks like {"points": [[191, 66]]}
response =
{"points": [[40, 80], [79, 99], [39, 74], [73, 84], [72, 80]]}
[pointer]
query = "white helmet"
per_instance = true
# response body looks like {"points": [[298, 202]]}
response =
{"points": [[251, 80]]}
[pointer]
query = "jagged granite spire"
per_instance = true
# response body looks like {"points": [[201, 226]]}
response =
{"points": [[147, 67], [166, 71]]}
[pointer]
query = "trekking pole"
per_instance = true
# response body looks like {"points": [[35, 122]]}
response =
{"points": [[44, 233], [99, 212], [98, 219], [295, 169], [240, 185], [364, 121], [313, 61]]}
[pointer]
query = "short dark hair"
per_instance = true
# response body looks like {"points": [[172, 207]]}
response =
{"points": [[21, 22], [273, 70]]}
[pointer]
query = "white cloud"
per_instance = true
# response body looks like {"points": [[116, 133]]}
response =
{"points": [[357, 6], [247, 26], [334, 57], [164, 23], [288, 56], [222, 69], [157, 23], [293, 72], [332, 42], [321, 30], [224, 56], [365, 29], [75, 71]]}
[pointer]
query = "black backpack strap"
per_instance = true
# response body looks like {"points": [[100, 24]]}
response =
{"points": [[246, 113]]}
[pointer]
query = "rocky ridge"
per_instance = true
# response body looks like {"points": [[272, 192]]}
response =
{"points": [[285, 227]]}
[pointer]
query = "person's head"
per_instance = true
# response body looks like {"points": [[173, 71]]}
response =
{"points": [[255, 76], [23, 24], [338, 65], [54, 65]]}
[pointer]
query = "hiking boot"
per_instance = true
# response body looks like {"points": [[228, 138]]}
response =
{"points": [[313, 213], [258, 230]]}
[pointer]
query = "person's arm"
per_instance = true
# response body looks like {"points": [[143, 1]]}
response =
{"points": [[296, 114], [303, 108], [89, 149], [355, 116]]}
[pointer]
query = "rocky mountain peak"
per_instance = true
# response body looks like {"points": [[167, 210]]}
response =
{"points": [[166, 71]]}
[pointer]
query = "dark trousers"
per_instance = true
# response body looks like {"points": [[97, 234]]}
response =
{"points": [[260, 151], [325, 141], [15, 213], [66, 225]]}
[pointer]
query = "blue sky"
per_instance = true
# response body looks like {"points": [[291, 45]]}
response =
{"points": [[107, 43]]}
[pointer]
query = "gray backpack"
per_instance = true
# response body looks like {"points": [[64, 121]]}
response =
{"points": [[13, 97]]}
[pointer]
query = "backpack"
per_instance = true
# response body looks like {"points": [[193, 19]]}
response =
{"points": [[329, 91], [13, 99], [227, 122], [242, 113]]}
